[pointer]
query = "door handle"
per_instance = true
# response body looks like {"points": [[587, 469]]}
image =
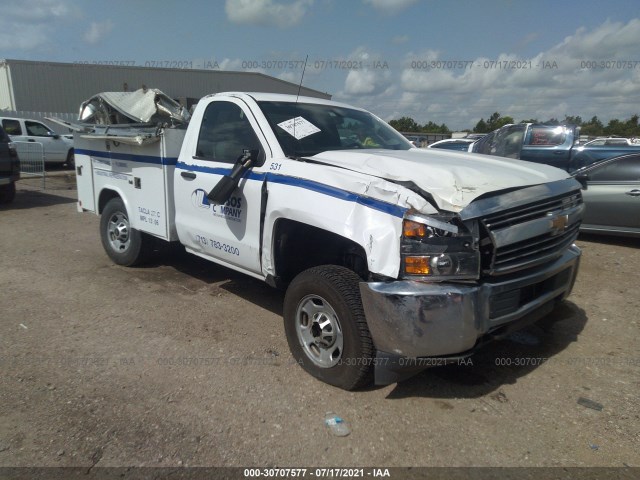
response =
{"points": [[31, 140], [634, 193], [190, 175], [558, 152]]}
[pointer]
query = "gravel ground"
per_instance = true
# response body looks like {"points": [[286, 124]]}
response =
{"points": [[184, 363]]}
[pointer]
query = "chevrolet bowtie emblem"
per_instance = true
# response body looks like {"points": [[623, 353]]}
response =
{"points": [[558, 223]]}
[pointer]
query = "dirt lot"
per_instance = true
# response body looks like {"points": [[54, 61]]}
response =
{"points": [[185, 363]]}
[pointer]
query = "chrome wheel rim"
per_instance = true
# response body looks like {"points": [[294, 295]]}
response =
{"points": [[319, 331], [118, 232]]}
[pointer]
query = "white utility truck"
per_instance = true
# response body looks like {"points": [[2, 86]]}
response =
{"points": [[393, 258]]}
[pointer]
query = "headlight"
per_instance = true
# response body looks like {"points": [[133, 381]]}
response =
{"points": [[438, 247]]}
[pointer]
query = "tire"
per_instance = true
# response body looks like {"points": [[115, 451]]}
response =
{"points": [[326, 327], [124, 245], [71, 160], [7, 193]]}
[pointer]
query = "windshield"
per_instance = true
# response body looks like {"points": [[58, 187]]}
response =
{"points": [[306, 129]]}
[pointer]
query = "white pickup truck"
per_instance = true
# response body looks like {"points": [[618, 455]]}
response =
{"points": [[391, 256]]}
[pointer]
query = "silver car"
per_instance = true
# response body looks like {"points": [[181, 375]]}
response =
{"points": [[56, 148], [612, 196]]}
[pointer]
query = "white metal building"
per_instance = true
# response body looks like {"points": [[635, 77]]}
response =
{"points": [[31, 86]]}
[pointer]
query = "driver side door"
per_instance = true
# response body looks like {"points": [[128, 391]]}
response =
{"points": [[227, 233], [54, 148]]}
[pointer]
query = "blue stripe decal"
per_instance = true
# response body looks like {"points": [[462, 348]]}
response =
{"points": [[318, 187], [155, 160]]}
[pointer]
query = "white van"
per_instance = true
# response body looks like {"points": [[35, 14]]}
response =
{"points": [[57, 148]]}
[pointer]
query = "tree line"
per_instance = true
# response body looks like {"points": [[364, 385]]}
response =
{"points": [[593, 127]]}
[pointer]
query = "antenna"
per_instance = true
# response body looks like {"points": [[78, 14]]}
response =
{"points": [[298, 95], [301, 78]]}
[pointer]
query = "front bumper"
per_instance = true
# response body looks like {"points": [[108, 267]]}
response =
{"points": [[410, 319]]}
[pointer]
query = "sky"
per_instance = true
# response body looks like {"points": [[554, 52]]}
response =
{"points": [[450, 62]]}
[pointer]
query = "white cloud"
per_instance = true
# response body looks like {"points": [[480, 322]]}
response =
{"points": [[31, 10], [97, 30], [367, 73], [361, 82], [267, 12], [390, 6], [609, 40], [29, 24], [550, 84]]}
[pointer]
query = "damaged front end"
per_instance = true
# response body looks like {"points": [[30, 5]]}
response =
{"points": [[502, 262], [439, 247]]}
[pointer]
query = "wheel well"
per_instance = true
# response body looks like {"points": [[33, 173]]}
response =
{"points": [[105, 196], [298, 247]]}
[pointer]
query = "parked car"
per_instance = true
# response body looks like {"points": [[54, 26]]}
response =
{"points": [[58, 149], [612, 196], [609, 141], [461, 144], [554, 145], [413, 140], [9, 168]]}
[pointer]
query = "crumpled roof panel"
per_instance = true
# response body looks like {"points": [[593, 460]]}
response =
{"points": [[146, 105]]}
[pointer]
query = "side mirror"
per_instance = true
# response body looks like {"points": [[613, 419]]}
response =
{"points": [[227, 184], [583, 178]]}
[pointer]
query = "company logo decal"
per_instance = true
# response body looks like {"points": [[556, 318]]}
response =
{"points": [[231, 210]]}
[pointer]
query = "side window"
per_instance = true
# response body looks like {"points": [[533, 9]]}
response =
{"points": [[36, 129], [12, 127], [225, 132], [546, 137], [485, 144], [510, 143], [505, 142], [623, 170]]}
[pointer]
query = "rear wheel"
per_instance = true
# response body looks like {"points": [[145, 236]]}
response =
{"points": [[7, 193], [326, 328], [124, 245]]}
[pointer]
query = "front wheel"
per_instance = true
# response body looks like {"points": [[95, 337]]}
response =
{"points": [[124, 245], [326, 327]]}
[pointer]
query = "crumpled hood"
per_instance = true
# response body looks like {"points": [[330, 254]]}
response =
{"points": [[454, 179]]}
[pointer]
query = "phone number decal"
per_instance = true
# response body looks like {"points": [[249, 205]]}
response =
{"points": [[223, 247]]}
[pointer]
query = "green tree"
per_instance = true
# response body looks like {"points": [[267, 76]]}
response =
{"points": [[432, 127], [496, 121], [405, 124], [614, 127], [632, 127], [626, 128], [593, 127], [571, 120], [481, 127]]}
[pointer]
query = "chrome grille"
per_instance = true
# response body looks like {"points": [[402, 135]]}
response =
{"points": [[531, 234]]}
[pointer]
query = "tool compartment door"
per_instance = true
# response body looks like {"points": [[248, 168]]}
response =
{"points": [[84, 176]]}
